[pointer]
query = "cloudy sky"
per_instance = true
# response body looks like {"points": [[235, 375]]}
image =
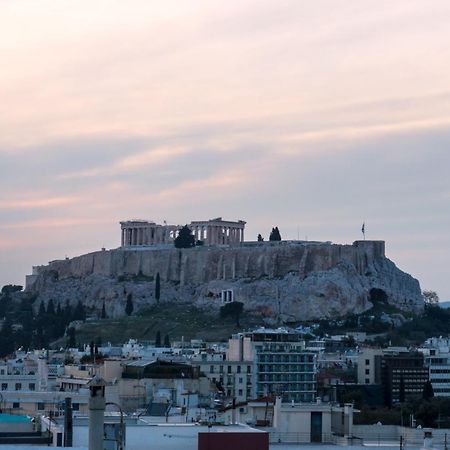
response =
{"points": [[312, 116]]}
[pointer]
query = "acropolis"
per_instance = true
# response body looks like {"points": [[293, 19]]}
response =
{"points": [[211, 232]]}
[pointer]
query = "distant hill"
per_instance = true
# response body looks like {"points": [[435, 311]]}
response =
{"points": [[444, 304]]}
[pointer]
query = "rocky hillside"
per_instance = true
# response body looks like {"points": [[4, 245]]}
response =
{"points": [[287, 281]]}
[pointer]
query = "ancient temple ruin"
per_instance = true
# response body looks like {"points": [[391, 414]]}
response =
{"points": [[211, 232]]}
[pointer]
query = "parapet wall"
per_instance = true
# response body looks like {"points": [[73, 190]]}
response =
{"points": [[205, 264]]}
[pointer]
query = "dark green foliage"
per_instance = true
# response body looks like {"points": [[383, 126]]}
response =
{"points": [[103, 316], [129, 306], [428, 392], [158, 339], [378, 295], [79, 312], [232, 309], [430, 297], [434, 321], [71, 338], [6, 337], [260, 238], [185, 238], [11, 288], [157, 287], [275, 235], [41, 312], [166, 341], [50, 308]]}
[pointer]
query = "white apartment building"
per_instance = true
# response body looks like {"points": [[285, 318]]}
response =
{"points": [[436, 351]]}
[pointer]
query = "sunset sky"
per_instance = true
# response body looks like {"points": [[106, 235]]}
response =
{"points": [[312, 116]]}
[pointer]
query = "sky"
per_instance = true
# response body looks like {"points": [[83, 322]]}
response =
{"points": [[311, 116]]}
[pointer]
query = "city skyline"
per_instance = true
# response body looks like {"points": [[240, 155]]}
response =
{"points": [[311, 117]]}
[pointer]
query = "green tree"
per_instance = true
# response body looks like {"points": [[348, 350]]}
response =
{"points": [[129, 306], [428, 392], [67, 313], [6, 338], [260, 238], [275, 235], [185, 238], [79, 312], [41, 312], [103, 311], [157, 288], [50, 308], [11, 288], [233, 309], [430, 297], [166, 341], [158, 339], [71, 339]]}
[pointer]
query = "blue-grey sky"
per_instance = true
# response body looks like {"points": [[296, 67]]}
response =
{"points": [[312, 116]]}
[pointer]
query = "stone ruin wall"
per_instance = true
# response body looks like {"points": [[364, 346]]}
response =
{"points": [[204, 264]]}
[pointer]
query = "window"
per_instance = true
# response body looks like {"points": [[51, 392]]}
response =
{"points": [[367, 371], [2, 372], [227, 296], [18, 386], [240, 381], [367, 381], [229, 369], [238, 369], [75, 406], [41, 406], [240, 392], [16, 405], [249, 369], [4, 386], [211, 369], [32, 386], [367, 362]]}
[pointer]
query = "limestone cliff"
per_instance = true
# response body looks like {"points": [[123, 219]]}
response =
{"points": [[290, 281]]}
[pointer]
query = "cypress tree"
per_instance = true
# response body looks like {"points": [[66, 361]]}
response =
{"points": [[157, 288], [158, 339], [166, 341], [103, 311], [275, 235], [50, 308], [79, 312], [129, 306], [71, 343], [41, 312]]}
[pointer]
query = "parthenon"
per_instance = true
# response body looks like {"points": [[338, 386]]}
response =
{"points": [[211, 232]]}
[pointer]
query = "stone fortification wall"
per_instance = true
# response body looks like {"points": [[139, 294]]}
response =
{"points": [[205, 264], [285, 281]]}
